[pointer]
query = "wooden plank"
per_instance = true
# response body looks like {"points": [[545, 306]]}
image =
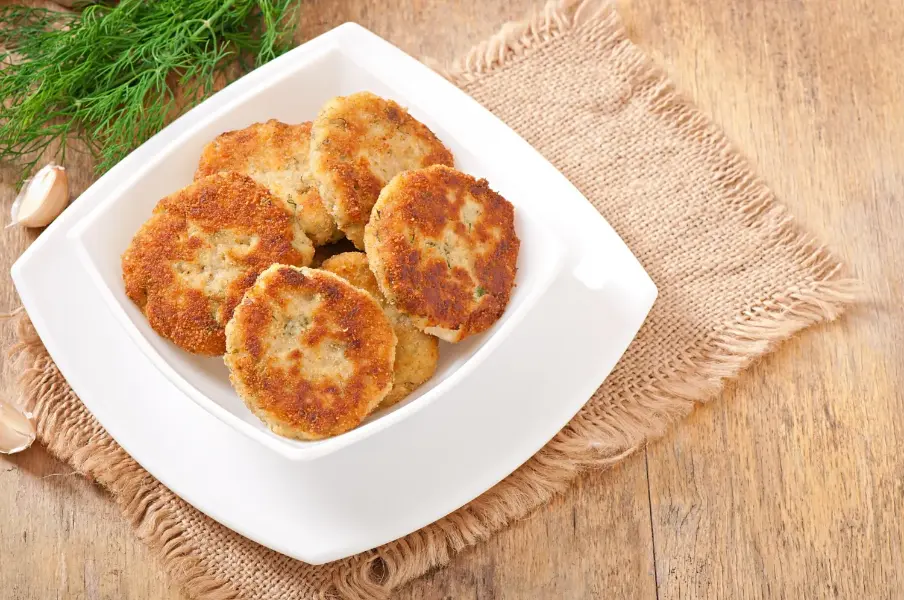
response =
{"points": [[62, 538], [790, 485], [592, 543]]}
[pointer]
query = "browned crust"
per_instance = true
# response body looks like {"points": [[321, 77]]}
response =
{"points": [[290, 402], [341, 131], [417, 353], [353, 267], [187, 317], [420, 205], [274, 146]]}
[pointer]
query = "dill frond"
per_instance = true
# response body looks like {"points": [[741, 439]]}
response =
{"points": [[108, 76]]}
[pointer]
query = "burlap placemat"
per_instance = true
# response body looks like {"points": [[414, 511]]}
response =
{"points": [[735, 276]]}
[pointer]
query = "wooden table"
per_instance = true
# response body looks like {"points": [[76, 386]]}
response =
{"points": [[791, 485]]}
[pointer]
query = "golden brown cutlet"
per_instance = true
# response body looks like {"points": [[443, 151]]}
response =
{"points": [[276, 155], [358, 143], [310, 354], [190, 263], [416, 352], [444, 251]]}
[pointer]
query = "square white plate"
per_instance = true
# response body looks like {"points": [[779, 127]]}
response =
{"points": [[496, 399]]}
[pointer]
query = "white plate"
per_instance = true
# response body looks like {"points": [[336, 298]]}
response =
{"points": [[580, 298]]}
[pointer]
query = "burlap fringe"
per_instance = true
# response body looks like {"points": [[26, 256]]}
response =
{"points": [[517, 38], [591, 440], [95, 455], [598, 440]]}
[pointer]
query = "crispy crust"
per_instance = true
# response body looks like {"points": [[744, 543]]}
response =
{"points": [[360, 142], [190, 263], [276, 155], [353, 267], [443, 248], [310, 354], [416, 352]]}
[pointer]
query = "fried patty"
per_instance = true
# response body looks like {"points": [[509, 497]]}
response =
{"points": [[310, 354], [358, 143], [190, 263], [443, 248], [416, 353], [275, 155]]}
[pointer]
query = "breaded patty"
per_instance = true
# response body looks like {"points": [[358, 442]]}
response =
{"points": [[360, 142], [443, 248], [275, 155], [190, 263], [310, 354], [416, 353]]}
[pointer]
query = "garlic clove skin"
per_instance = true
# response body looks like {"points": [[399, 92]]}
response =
{"points": [[42, 198], [17, 431]]}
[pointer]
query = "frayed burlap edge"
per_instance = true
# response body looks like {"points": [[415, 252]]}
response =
{"points": [[589, 441], [73, 436]]}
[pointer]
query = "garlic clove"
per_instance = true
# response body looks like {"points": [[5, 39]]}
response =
{"points": [[17, 431], [42, 198]]}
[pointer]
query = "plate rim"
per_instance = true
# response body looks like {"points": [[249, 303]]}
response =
{"points": [[646, 296]]}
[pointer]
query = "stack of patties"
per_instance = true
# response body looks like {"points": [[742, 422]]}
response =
{"points": [[222, 265]]}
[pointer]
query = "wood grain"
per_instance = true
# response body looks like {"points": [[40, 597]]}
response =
{"points": [[592, 543], [789, 486]]}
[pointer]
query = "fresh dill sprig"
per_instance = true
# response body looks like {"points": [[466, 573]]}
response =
{"points": [[112, 76]]}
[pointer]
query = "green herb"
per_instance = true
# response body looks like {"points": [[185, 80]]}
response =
{"points": [[108, 76], [294, 327], [479, 292]]}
